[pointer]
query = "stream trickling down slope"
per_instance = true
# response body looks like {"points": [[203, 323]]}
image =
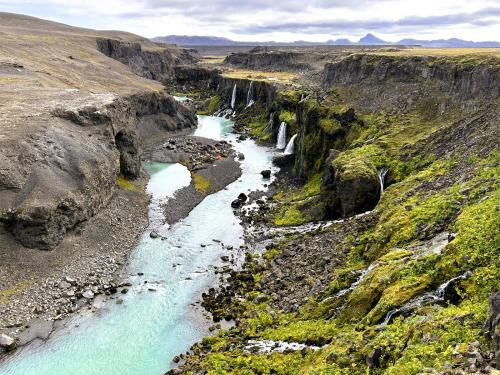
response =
{"points": [[143, 334]]}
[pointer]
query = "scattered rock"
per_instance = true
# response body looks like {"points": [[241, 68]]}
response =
{"points": [[373, 358], [88, 294], [7, 342], [237, 203]]}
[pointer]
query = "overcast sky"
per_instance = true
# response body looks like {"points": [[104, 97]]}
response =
{"points": [[280, 20]]}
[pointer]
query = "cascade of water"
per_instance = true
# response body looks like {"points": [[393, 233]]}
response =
{"points": [[290, 146], [437, 295], [381, 177], [233, 98], [281, 144], [250, 100]]}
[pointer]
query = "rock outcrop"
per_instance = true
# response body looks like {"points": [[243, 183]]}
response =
{"points": [[264, 58], [462, 77], [157, 63], [350, 186]]}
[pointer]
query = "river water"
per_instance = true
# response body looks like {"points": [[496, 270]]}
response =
{"points": [[157, 320]]}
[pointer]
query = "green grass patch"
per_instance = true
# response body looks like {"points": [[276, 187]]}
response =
{"points": [[201, 184]]}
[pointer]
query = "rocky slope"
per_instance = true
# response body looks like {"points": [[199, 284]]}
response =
{"points": [[72, 119]]}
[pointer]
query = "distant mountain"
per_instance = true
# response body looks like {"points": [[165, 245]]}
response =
{"points": [[368, 39], [371, 39], [186, 40], [449, 43], [341, 41]]}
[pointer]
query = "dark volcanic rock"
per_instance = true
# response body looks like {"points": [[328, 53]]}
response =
{"points": [[348, 190], [127, 143], [71, 176], [157, 65], [467, 80], [237, 203], [493, 326], [266, 173]]}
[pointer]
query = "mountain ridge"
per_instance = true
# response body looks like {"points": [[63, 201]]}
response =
{"points": [[368, 39]]}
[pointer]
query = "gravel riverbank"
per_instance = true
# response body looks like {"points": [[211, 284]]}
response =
{"points": [[38, 288]]}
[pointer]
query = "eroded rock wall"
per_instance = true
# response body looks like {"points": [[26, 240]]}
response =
{"points": [[462, 77], [155, 64], [67, 172]]}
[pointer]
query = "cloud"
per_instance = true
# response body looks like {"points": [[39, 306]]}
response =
{"points": [[282, 20], [483, 17]]}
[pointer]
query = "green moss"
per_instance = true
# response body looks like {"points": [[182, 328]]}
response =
{"points": [[290, 215], [311, 188], [330, 126], [201, 184], [212, 106], [361, 161], [287, 117], [396, 295], [126, 184]]}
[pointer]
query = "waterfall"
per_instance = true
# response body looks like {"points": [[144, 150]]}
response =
{"points": [[250, 100], [233, 98], [280, 145], [381, 177], [430, 297], [289, 147]]}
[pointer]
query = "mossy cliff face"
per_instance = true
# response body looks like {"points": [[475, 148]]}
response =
{"points": [[262, 92], [406, 288]]}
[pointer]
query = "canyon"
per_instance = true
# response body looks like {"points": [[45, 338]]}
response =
{"points": [[370, 245]]}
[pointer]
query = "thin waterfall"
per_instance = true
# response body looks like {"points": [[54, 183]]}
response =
{"points": [[250, 100], [425, 299], [270, 123], [290, 146], [281, 144], [381, 177], [233, 98]]}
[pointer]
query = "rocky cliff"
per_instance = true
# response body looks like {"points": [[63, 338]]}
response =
{"points": [[462, 77], [73, 120], [156, 62], [409, 287]]}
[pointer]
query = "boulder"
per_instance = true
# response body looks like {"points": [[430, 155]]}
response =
{"points": [[351, 185], [373, 358], [284, 160], [266, 173], [88, 294], [154, 234], [237, 203], [241, 156], [242, 197], [7, 342]]}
